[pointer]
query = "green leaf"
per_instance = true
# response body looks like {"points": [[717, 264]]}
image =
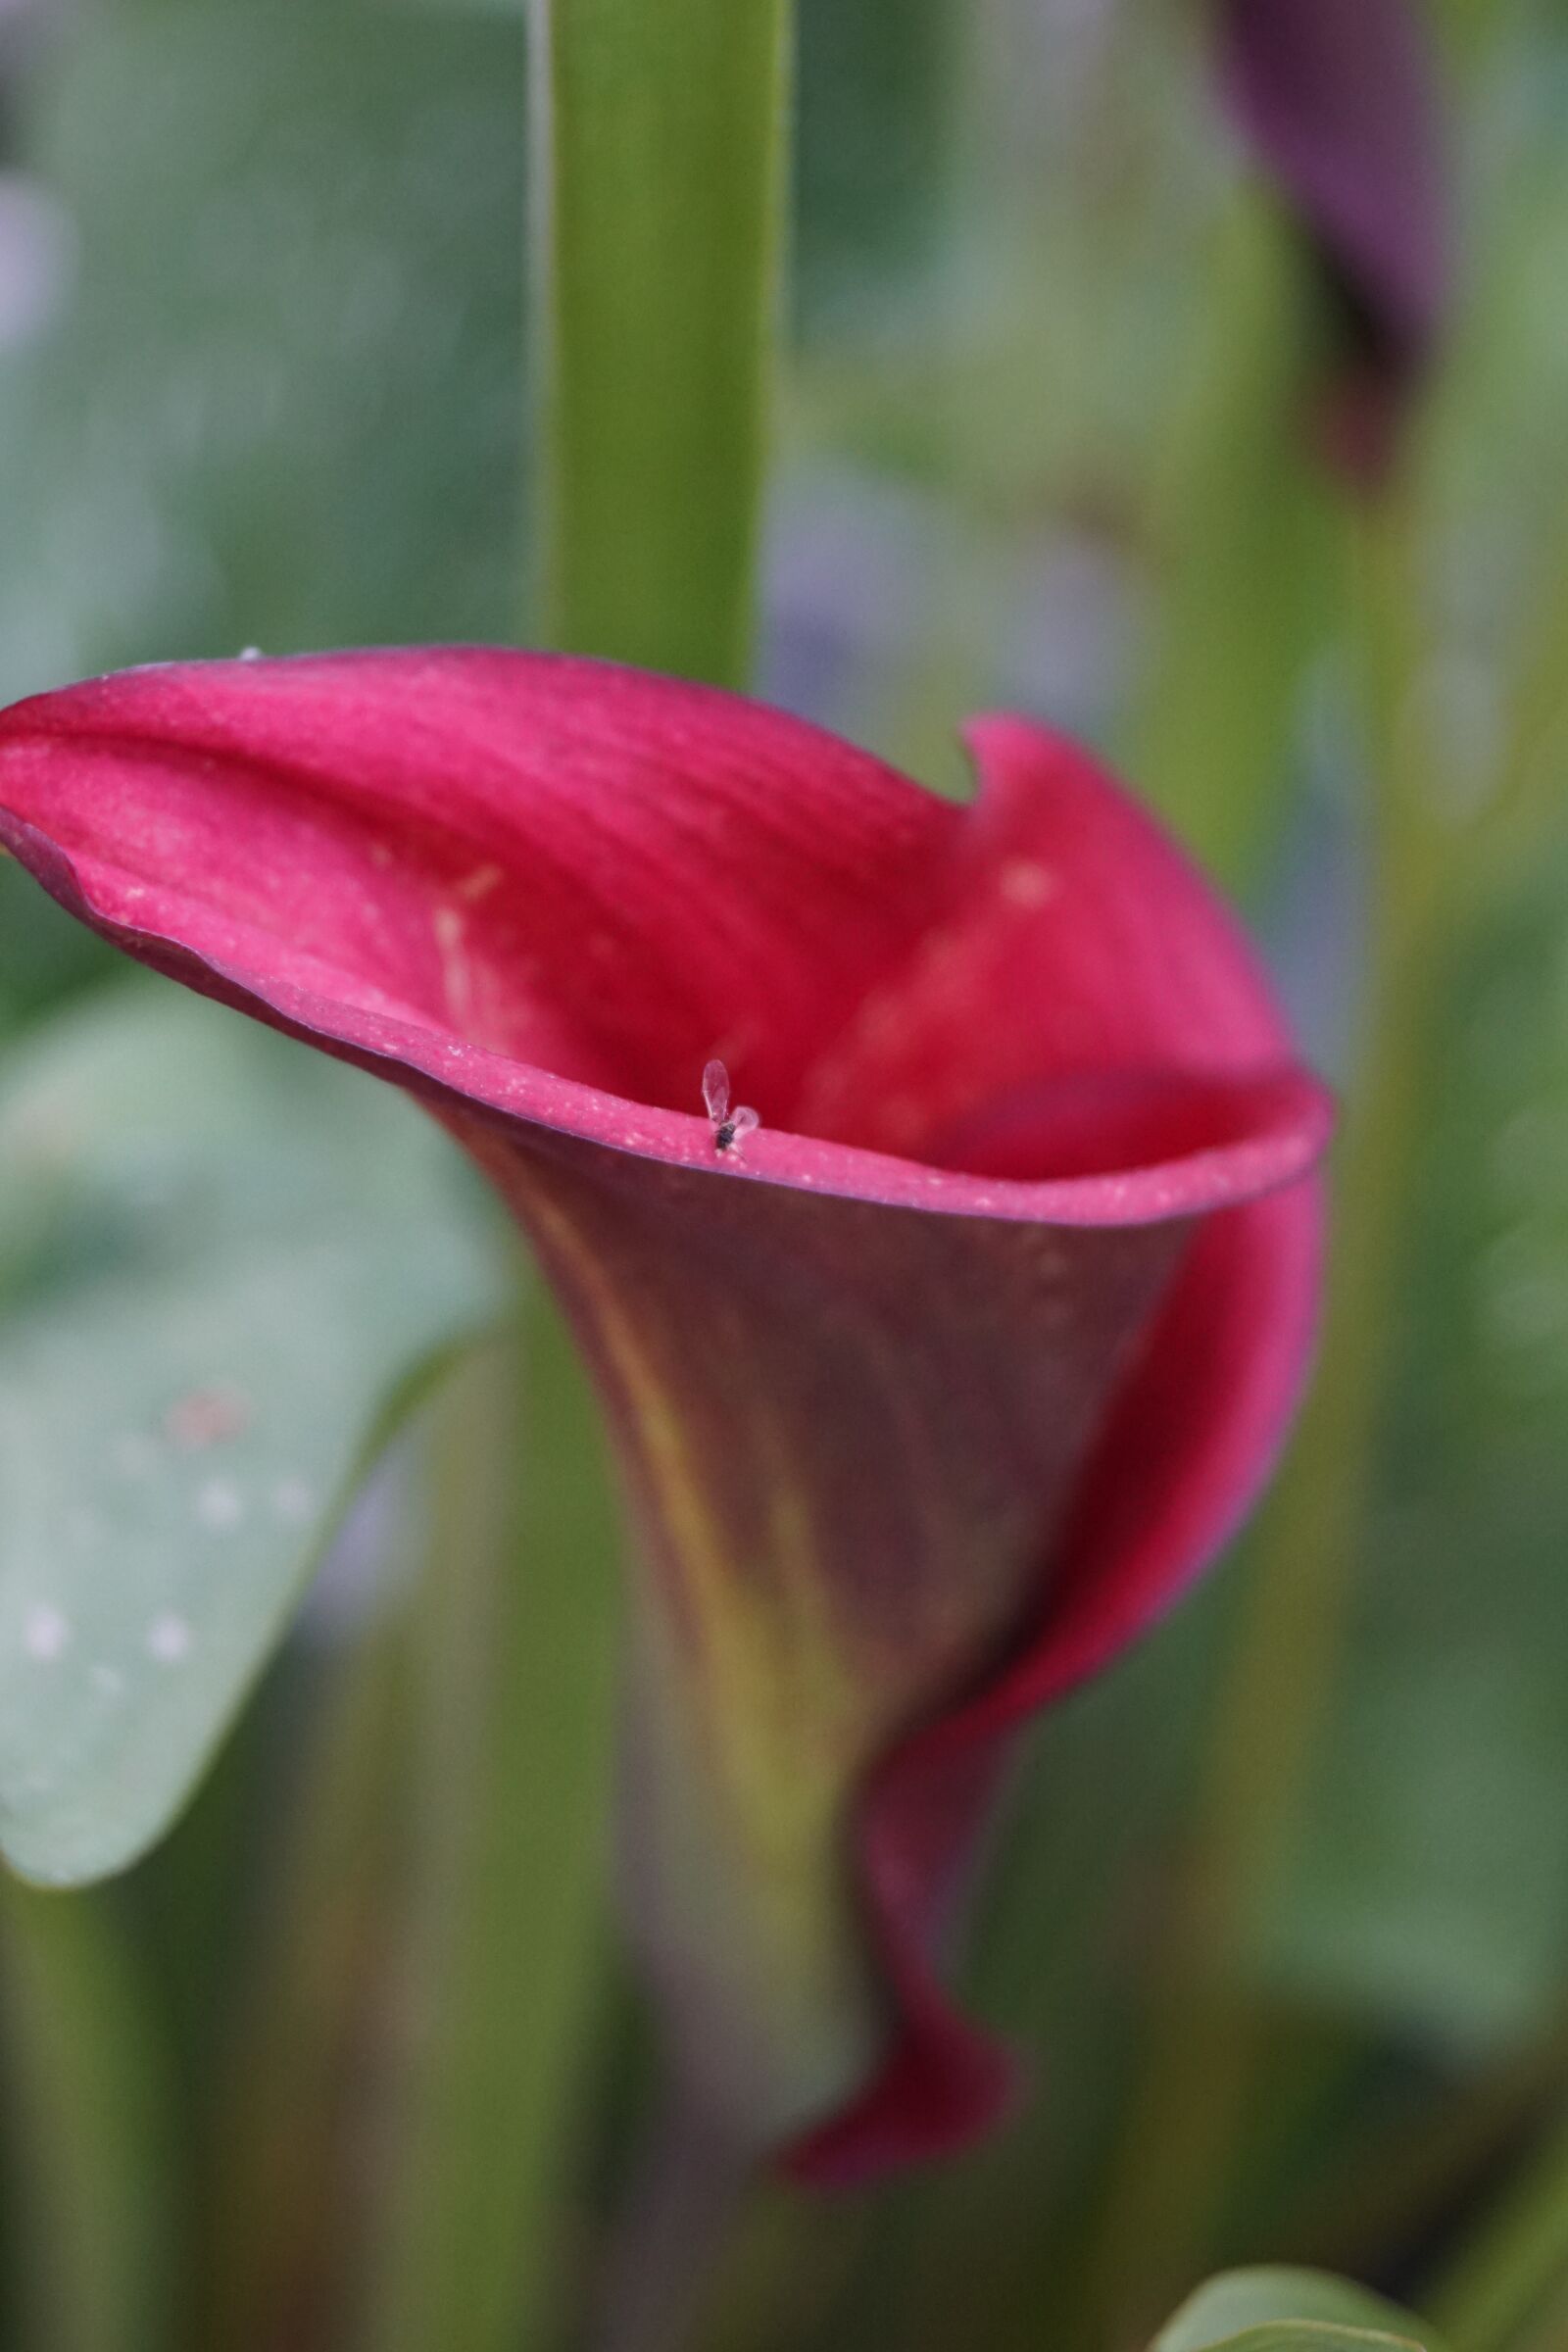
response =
{"points": [[89, 2097], [277, 402], [1310, 2336], [1424, 1893], [875, 132], [224, 1261], [43, 955], [1421, 1897], [659, 243], [1507, 2287], [518, 1675], [1277, 2310]]}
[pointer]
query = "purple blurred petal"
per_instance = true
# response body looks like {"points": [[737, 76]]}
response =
{"points": [[1339, 100]]}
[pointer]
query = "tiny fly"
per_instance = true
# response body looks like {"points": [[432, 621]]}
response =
{"points": [[730, 1127]]}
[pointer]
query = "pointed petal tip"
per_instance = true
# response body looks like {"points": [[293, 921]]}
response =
{"points": [[945, 2088]]}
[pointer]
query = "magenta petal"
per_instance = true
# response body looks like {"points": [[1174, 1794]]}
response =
{"points": [[929, 1402], [851, 1434], [1192, 1436], [556, 888], [1076, 945], [547, 861]]}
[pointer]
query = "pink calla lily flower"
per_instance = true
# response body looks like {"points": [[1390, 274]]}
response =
{"points": [[932, 1392]]}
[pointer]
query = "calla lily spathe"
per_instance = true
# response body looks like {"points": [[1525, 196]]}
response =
{"points": [[930, 1401]]}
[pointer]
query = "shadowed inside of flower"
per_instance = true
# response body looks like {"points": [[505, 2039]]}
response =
{"points": [[930, 1391]]}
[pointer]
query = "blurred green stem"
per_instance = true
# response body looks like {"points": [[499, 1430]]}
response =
{"points": [[87, 2073], [1515, 2270], [675, 2227], [1245, 547], [658, 217], [1175, 2164], [283, 2220], [516, 1653], [658, 153], [1424, 2163], [658, 222]]}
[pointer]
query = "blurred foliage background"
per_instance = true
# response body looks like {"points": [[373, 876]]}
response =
{"points": [[1281, 1908]]}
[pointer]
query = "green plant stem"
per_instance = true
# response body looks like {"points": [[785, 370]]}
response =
{"points": [[92, 2171], [1424, 2164], [1516, 2268], [1245, 543], [284, 2219], [659, 225], [675, 2223], [659, 222], [517, 1656], [1169, 2183]]}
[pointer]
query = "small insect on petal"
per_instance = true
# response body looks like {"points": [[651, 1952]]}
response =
{"points": [[730, 1127]]}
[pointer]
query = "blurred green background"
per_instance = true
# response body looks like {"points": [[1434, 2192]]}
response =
{"points": [[1280, 1908]]}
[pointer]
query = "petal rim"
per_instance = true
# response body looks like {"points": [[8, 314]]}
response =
{"points": [[454, 1074]]}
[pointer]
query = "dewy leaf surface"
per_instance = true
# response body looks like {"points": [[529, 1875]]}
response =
{"points": [[219, 1265], [1279, 2310]]}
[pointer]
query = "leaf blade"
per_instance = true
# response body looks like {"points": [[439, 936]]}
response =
{"points": [[1276, 2309], [223, 1276]]}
